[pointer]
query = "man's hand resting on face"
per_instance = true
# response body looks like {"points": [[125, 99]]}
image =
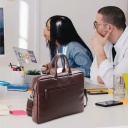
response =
{"points": [[98, 42]]}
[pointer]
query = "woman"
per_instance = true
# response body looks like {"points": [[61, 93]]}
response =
{"points": [[62, 37]]}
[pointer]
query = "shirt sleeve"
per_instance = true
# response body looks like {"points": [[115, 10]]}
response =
{"points": [[106, 71], [94, 71], [104, 67], [82, 60]]}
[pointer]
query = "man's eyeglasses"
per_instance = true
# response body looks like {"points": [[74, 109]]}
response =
{"points": [[96, 24]]}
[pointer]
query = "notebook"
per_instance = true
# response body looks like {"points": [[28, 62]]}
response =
{"points": [[4, 110], [27, 59]]}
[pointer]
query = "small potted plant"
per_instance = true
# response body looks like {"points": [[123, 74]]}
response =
{"points": [[30, 74]]}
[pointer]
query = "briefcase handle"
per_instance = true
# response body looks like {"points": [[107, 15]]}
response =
{"points": [[64, 58], [55, 60]]}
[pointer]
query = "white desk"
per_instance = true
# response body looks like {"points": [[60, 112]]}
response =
{"points": [[93, 116]]}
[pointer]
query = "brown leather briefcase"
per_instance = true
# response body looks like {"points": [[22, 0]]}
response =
{"points": [[56, 95]]}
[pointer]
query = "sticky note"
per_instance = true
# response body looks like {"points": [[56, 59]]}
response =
{"points": [[97, 90], [110, 91], [125, 100], [125, 77], [18, 112], [29, 90]]}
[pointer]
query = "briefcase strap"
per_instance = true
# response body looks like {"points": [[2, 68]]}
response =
{"points": [[30, 104], [29, 107], [85, 93], [53, 62]]}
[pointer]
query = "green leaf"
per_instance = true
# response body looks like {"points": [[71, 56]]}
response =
{"points": [[33, 72]]}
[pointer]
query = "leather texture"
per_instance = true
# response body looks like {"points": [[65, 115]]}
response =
{"points": [[56, 95]]}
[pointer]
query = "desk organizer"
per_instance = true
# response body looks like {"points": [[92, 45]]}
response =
{"points": [[13, 77]]}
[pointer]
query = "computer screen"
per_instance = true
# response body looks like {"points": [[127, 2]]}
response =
{"points": [[24, 56]]}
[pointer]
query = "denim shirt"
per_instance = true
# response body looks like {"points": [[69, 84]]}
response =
{"points": [[78, 57]]}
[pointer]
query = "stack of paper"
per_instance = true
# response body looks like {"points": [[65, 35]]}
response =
{"points": [[4, 110]]}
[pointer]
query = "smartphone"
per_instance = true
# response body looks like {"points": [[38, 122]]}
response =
{"points": [[109, 103], [96, 93]]}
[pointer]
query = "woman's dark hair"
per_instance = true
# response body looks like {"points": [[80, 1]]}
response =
{"points": [[62, 31], [113, 15]]}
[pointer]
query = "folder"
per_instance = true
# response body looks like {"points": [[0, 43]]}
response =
{"points": [[15, 87], [125, 77]]}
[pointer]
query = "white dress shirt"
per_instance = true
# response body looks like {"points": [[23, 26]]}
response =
{"points": [[107, 68]]}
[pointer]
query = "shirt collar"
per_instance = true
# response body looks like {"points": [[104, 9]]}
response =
{"points": [[62, 48], [121, 40]]}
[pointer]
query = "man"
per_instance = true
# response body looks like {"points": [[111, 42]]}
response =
{"points": [[111, 31]]}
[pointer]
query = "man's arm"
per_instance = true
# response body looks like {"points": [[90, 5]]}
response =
{"points": [[94, 72], [107, 74], [98, 43]]}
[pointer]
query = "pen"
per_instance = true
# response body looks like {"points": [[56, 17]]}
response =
{"points": [[16, 68], [11, 65]]}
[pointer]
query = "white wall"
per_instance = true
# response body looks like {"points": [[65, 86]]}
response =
{"points": [[81, 12], [20, 27], [25, 21]]}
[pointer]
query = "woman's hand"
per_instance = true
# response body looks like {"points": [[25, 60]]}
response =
{"points": [[45, 68], [46, 71]]}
